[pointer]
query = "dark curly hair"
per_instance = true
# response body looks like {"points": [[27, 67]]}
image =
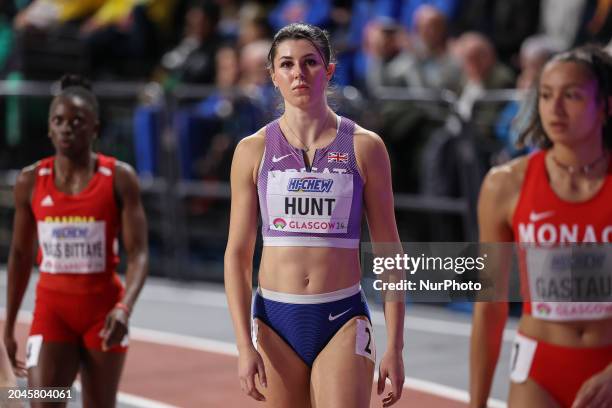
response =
{"points": [[599, 64]]}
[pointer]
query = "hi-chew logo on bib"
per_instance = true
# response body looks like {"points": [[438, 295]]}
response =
{"points": [[72, 245], [310, 184], [309, 202]]}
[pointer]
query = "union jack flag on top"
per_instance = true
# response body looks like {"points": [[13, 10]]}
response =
{"points": [[337, 157]]}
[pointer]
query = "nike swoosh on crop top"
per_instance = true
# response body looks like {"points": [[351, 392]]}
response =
{"points": [[316, 206]]}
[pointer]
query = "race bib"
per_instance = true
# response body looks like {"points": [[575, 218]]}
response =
{"points": [[76, 247], [309, 202], [523, 351], [570, 283], [364, 340]]}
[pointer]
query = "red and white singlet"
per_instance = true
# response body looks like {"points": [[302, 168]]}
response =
{"points": [[544, 225], [77, 233]]}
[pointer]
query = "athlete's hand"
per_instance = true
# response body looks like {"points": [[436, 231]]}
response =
{"points": [[392, 367], [596, 392], [115, 328], [249, 364], [19, 368]]}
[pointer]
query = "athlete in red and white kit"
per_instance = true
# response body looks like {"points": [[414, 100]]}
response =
{"points": [[76, 203], [562, 354]]}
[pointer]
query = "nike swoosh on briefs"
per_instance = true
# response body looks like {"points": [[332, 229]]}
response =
{"points": [[332, 318], [277, 159], [535, 217]]}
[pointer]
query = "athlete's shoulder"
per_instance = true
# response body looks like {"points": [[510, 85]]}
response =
{"points": [[505, 180], [24, 183], [366, 140], [28, 173], [253, 144], [123, 169]]}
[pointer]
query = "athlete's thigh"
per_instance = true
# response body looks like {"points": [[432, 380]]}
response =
{"points": [[530, 394], [100, 375], [287, 375], [52, 364], [343, 372]]}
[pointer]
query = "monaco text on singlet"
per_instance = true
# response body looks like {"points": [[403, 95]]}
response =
{"points": [[320, 206], [555, 276], [77, 233]]}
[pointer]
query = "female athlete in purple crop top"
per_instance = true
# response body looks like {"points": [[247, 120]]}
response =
{"points": [[311, 173]]}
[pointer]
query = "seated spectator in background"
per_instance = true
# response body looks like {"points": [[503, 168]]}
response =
{"points": [[481, 73], [387, 63], [505, 22], [242, 103], [48, 14], [123, 36], [47, 42], [314, 12], [255, 78], [427, 64], [228, 19], [252, 24], [193, 60], [433, 65], [563, 20], [514, 119], [409, 9]]}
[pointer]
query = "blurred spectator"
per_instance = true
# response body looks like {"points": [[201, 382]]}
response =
{"points": [[193, 60], [47, 41], [252, 24], [46, 14], [387, 63], [507, 23], [563, 20], [239, 106], [123, 36], [481, 71], [427, 64], [433, 66], [255, 78], [514, 119], [404, 10], [300, 11], [228, 19]]}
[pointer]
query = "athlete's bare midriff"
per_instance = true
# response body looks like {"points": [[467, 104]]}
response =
{"points": [[308, 270], [591, 333]]}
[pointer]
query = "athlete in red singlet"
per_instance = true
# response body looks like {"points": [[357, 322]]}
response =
{"points": [[76, 203], [562, 355]]}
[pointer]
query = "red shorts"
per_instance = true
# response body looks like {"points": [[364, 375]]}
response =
{"points": [[74, 318], [560, 370]]}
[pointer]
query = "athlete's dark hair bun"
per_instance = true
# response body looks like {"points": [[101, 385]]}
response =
{"points": [[70, 80]]}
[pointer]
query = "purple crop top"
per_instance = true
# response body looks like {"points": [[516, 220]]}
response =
{"points": [[319, 206]]}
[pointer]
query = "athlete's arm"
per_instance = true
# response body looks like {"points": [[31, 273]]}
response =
{"points": [[21, 258], [489, 318], [134, 237], [596, 391], [7, 378], [238, 265], [375, 168]]}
